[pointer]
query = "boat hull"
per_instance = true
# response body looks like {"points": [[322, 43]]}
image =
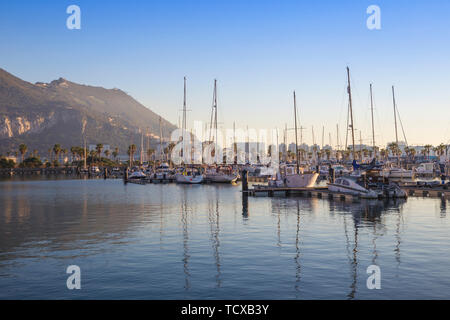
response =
{"points": [[188, 179], [305, 180], [365, 194], [221, 178]]}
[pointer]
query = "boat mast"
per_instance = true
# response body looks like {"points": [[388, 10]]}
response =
{"points": [[373, 127], [285, 142], [161, 151], [296, 141], [184, 128], [215, 120], [85, 154], [349, 90], [234, 143], [142, 148], [337, 137], [395, 121]]}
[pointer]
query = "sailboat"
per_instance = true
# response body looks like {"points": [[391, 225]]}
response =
{"points": [[218, 174], [188, 175], [396, 172], [293, 176], [354, 183]]}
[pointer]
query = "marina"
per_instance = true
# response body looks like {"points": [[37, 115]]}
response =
{"points": [[224, 155]]}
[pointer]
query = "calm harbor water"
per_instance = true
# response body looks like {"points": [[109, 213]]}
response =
{"points": [[206, 242]]}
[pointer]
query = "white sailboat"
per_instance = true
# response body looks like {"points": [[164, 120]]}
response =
{"points": [[218, 174], [293, 176], [351, 184], [188, 175]]}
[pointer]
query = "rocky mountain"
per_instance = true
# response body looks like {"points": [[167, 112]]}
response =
{"points": [[61, 111]]}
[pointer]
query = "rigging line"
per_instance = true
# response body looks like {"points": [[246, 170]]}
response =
{"points": [[401, 125]]}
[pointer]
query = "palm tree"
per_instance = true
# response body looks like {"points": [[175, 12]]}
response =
{"points": [[73, 150], [440, 149], [57, 150], [427, 149], [99, 149], [393, 147], [115, 153], [23, 149], [131, 151], [383, 153], [150, 153], [412, 153]]}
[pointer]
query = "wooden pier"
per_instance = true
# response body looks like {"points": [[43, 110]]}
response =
{"points": [[436, 192], [317, 192], [324, 193]]}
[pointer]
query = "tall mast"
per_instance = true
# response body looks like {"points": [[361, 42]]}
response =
{"points": [[148, 145], [184, 128], [323, 133], [85, 154], [395, 114], [285, 142], [351, 111], [160, 141], [142, 147], [373, 127], [360, 145], [395, 121], [296, 141], [215, 120], [234, 142], [337, 137]]}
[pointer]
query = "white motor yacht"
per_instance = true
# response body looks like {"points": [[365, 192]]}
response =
{"points": [[351, 185]]}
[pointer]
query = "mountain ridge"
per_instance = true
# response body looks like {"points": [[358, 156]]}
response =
{"points": [[43, 114]]}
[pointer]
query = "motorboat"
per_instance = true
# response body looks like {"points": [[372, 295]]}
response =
{"points": [[352, 185], [137, 175], [340, 170]]}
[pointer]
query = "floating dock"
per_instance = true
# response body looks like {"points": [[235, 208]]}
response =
{"points": [[323, 192]]}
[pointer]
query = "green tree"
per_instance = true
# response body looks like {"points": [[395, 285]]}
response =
{"points": [[57, 151], [131, 151], [115, 153], [99, 149], [428, 148], [23, 149]]}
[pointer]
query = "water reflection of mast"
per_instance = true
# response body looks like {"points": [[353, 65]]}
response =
{"points": [[297, 250], [399, 240], [185, 242], [353, 259], [161, 220], [443, 207], [214, 226]]}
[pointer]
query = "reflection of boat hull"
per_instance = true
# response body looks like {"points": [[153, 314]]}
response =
{"points": [[189, 179], [304, 180]]}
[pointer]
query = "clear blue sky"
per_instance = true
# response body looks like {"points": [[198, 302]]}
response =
{"points": [[260, 51]]}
